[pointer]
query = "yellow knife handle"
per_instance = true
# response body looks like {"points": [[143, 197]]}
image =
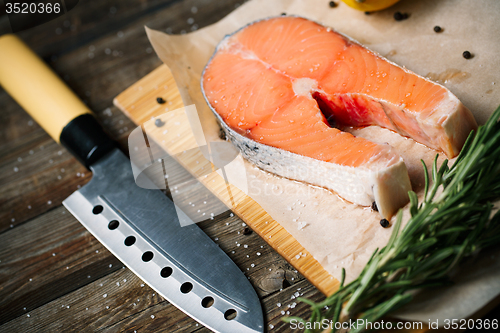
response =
{"points": [[50, 102]]}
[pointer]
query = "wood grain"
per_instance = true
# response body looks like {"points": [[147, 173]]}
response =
{"points": [[25, 214], [56, 299]]}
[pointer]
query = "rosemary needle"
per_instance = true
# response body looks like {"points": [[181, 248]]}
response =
{"points": [[442, 230]]}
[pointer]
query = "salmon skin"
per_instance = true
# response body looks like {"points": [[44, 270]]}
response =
{"points": [[280, 87]]}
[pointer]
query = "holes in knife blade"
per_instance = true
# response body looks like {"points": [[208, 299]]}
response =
{"points": [[97, 209], [113, 225], [147, 256], [166, 272], [129, 241], [230, 314], [207, 302], [186, 287]]}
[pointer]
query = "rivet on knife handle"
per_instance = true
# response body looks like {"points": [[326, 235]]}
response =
{"points": [[50, 102]]}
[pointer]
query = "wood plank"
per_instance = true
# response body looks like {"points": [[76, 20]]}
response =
{"points": [[46, 258], [139, 103]]}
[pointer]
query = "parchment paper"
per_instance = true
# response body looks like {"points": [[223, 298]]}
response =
{"points": [[337, 233]]}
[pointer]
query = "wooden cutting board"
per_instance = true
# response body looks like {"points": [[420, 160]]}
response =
{"points": [[139, 103]]}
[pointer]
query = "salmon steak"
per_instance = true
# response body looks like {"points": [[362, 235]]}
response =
{"points": [[282, 88]]}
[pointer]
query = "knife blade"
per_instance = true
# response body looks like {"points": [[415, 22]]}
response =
{"points": [[139, 226]]}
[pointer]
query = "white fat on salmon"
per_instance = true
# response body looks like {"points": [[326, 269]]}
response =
{"points": [[383, 181]]}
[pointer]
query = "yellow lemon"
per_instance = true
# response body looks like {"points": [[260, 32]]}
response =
{"points": [[370, 5]]}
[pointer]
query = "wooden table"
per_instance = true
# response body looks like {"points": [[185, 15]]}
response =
{"points": [[55, 276]]}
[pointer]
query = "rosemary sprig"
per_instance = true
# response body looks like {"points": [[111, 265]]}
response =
{"points": [[443, 229]]}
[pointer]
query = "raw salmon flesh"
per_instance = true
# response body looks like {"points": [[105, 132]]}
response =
{"points": [[280, 87]]}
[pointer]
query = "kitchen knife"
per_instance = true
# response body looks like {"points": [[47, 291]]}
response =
{"points": [[139, 226]]}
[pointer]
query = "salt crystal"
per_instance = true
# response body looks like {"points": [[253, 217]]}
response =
{"points": [[278, 305], [258, 253], [110, 265], [107, 307], [28, 315], [49, 202], [245, 246], [105, 295], [271, 326], [152, 316], [16, 169]]}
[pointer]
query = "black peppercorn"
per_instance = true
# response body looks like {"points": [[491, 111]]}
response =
{"points": [[374, 206], [437, 28], [398, 16], [160, 100], [332, 4], [467, 55], [222, 134], [368, 13], [247, 231], [159, 123], [283, 14], [384, 223]]}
